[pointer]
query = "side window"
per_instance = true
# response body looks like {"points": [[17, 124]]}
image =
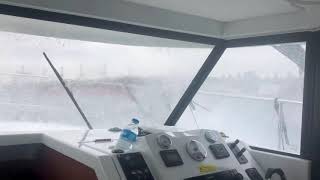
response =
{"points": [[254, 94]]}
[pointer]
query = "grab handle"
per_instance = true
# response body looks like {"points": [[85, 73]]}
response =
{"points": [[271, 171]]}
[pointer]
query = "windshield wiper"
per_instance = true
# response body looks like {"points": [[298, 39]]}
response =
{"points": [[68, 91]]}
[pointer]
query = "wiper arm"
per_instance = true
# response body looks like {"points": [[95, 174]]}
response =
{"points": [[68, 91]]}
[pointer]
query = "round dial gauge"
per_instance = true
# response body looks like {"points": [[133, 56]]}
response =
{"points": [[164, 141], [211, 136], [196, 150]]}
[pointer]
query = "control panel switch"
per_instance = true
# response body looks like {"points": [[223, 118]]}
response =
{"points": [[234, 144], [253, 174], [240, 153], [134, 166], [237, 152]]}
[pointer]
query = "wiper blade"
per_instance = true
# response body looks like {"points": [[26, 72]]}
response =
{"points": [[68, 91]]}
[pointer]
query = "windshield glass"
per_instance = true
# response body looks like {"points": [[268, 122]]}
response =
{"points": [[254, 94], [129, 76]]}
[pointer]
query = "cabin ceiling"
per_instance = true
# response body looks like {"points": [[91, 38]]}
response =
{"points": [[226, 19], [223, 10]]}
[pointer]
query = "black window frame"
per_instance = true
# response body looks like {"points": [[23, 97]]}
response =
{"points": [[308, 101], [311, 99]]}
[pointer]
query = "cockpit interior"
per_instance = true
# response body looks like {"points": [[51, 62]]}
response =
{"points": [[160, 90]]}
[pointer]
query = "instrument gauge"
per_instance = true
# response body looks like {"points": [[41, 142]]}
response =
{"points": [[164, 141], [196, 150]]}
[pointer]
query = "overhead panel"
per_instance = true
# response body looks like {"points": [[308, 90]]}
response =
{"points": [[68, 31], [131, 13], [225, 19], [223, 10]]}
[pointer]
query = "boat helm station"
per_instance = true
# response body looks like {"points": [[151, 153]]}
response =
{"points": [[160, 90]]}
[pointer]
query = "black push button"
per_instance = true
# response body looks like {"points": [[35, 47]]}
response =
{"points": [[134, 166], [219, 151], [171, 158], [253, 174]]}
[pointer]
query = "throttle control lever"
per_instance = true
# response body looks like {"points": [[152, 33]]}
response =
{"points": [[271, 171]]}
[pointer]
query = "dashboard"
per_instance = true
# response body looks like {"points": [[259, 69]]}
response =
{"points": [[189, 155], [165, 154]]}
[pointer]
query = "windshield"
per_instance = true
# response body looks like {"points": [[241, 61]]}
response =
{"points": [[112, 81], [254, 94]]}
